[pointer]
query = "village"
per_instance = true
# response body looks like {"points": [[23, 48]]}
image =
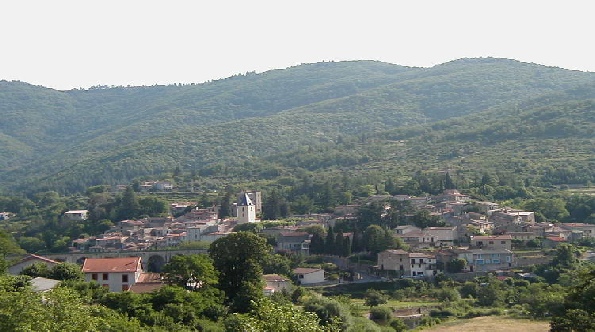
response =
{"points": [[477, 237]]}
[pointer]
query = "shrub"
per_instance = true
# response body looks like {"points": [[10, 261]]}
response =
{"points": [[381, 314]]}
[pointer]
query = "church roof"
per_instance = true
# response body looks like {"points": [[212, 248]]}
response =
{"points": [[245, 200]]}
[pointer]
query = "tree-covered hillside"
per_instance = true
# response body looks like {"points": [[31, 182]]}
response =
{"points": [[317, 117]]}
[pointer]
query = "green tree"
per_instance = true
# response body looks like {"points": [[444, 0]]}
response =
{"points": [[423, 219], [346, 251], [377, 239], [578, 310], [36, 270], [190, 271], [31, 244], [225, 206], [302, 204], [374, 298], [268, 316], [238, 258], [456, 265], [66, 271], [128, 207], [152, 206], [329, 243], [550, 208], [448, 183], [338, 245], [8, 245]]}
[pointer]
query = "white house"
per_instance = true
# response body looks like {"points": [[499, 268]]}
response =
{"points": [[307, 276], [117, 274], [76, 215], [422, 265]]}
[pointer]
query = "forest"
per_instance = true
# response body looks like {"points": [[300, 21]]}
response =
{"points": [[357, 119]]}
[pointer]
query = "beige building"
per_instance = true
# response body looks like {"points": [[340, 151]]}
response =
{"points": [[492, 242], [407, 264]]}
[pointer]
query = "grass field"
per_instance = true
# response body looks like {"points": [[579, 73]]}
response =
{"points": [[491, 324]]}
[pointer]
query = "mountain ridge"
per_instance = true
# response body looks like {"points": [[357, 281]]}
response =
{"points": [[249, 116]]}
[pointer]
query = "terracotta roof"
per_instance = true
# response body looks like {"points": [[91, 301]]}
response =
{"points": [[36, 257], [149, 277], [124, 264], [150, 287]]}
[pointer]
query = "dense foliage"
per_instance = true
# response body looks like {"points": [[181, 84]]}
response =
{"points": [[321, 117]]}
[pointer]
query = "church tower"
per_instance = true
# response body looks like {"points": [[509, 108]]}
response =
{"points": [[246, 210]]}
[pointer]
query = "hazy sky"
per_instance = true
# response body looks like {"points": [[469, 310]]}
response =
{"points": [[68, 44]]}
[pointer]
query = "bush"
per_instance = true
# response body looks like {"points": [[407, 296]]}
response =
{"points": [[443, 313], [447, 294], [381, 314], [398, 324]]}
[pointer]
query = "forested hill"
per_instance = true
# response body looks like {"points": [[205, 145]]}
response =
{"points": [[68, 140]]}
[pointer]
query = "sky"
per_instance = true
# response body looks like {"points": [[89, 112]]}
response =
{"points": [[65, 44]]}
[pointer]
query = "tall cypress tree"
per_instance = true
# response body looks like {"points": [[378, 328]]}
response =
{"points": [[355, 242], [329, 244], [338, 247], [346, 251]]}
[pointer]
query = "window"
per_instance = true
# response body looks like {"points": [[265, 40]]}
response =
{"points": [[125, 278], [105, 276], [491, 242], [502, 242], [413, 261], [94, 276], [508, 259]]}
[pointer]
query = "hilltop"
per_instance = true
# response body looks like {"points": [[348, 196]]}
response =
{"points": [[316, 117]]}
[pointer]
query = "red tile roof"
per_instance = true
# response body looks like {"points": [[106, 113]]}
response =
{"points": [[36, 257], [123, 264]]}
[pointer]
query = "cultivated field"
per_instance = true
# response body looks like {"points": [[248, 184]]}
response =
{"points": [[491, 324]]}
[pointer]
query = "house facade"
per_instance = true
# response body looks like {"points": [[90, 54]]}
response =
{"points": [[116, 274], [407, 264], [492, 242], [308, 276]]}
